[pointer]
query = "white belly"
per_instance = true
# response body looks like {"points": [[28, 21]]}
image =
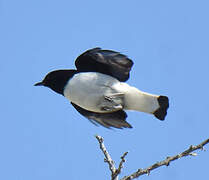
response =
{"points": [[88, 89]]}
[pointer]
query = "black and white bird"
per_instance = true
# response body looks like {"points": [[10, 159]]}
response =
{"points": [[98, 91]]}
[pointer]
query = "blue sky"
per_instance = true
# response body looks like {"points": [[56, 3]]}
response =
{"points": [[41, 134]]}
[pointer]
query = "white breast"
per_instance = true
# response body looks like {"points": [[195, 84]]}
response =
{"points": [[87, 89]]}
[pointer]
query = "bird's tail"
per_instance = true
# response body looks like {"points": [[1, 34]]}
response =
{"points": [[145, 102], [161, 112]]}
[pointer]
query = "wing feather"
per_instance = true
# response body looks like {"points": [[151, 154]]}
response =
{"points": [[114, 119], [107, 62]]}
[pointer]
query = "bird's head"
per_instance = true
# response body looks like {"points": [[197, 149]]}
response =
{"points": [[56, 80]]}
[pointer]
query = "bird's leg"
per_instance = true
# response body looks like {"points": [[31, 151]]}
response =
{"points": [[112, 102]]}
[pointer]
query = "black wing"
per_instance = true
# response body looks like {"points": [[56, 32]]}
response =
{"points": [[115, 119], [105, 61]]}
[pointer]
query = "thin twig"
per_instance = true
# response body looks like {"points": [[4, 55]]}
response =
{"points": [[166, 162], [117, 172], [108, 158]]}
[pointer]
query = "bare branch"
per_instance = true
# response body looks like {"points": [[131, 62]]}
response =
{"points": [[117, 172], [166, 162], [108, 158]]}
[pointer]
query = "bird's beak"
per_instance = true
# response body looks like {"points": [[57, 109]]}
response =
{"points": [[39, 84]]}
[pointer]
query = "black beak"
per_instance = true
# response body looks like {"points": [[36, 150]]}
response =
{"points": [[39, 84]]}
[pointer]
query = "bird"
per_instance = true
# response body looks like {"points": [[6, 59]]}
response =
{"points": [[97, 89]]}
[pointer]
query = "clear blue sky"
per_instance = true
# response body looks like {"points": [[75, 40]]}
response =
{"points": [[41, 134]]}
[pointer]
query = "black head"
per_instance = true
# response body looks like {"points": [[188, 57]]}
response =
{"points": [[56, 80]]}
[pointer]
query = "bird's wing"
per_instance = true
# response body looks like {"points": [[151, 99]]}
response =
{"points": [[105, 61], [115, 119]]}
